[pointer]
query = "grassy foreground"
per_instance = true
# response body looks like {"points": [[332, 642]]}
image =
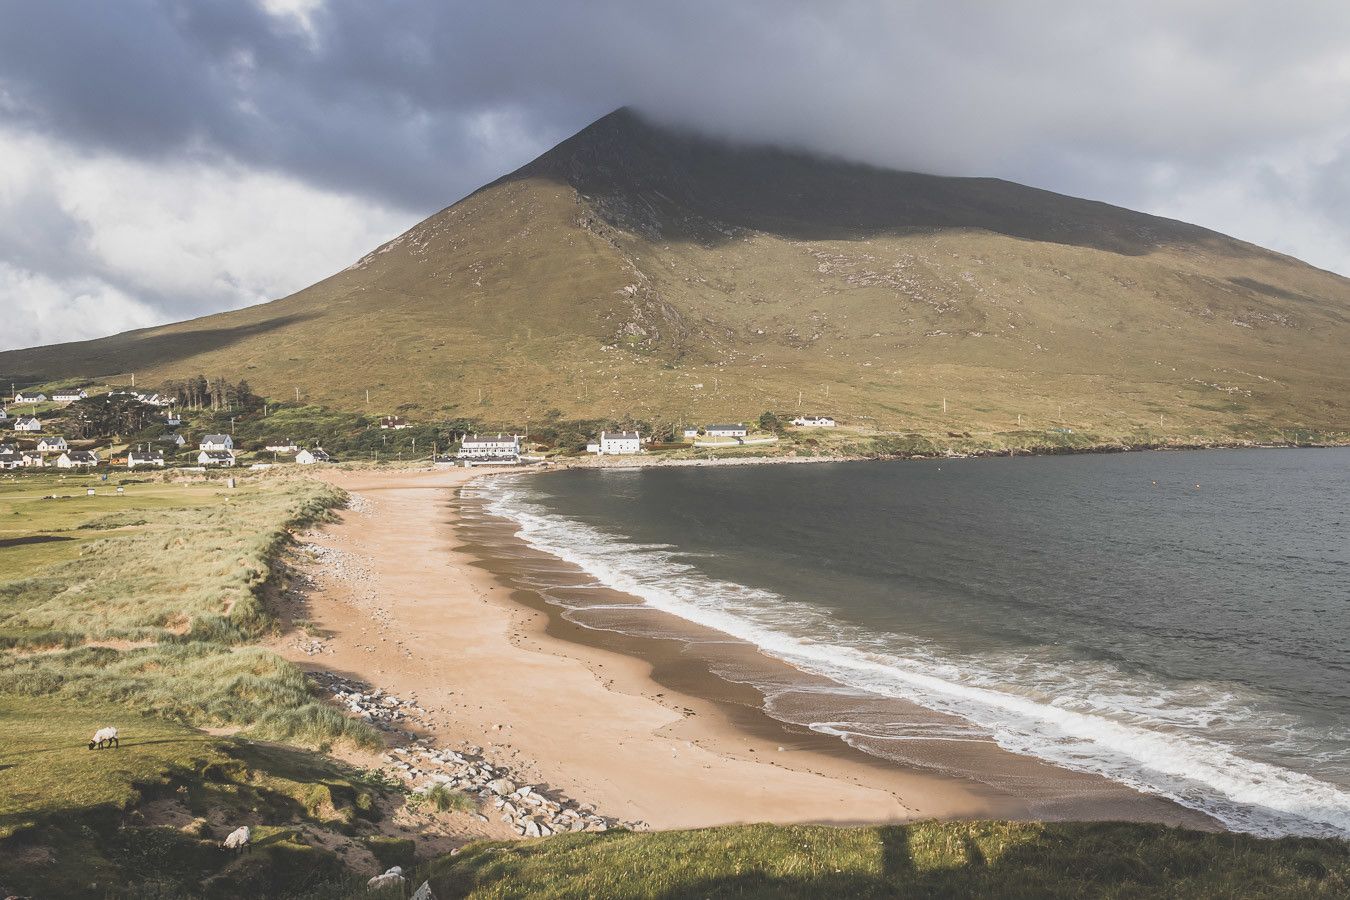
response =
{"points": [[927, 859], [140, 610]]}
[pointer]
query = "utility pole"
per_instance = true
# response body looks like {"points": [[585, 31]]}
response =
{"points": [[367, 396], [297, 395], [231, 424], [944, 406]]}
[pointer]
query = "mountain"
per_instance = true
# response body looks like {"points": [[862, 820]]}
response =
{"points": [[636, 270]]}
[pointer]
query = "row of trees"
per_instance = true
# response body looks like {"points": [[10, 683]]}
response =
{"points": [[104, 415], [211, 393]]}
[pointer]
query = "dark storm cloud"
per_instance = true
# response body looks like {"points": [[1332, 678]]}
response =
{"points": [[1199, 109], [399, 99]]}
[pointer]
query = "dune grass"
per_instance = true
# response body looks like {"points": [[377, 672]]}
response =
{"points": [[148, 625], [927, 859], [153, 612]]}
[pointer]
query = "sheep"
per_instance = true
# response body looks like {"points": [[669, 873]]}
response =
{"points": [[392, 877], [104, 737], [241, 839]]}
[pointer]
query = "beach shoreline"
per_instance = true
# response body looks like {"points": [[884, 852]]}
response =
{"points": [[442, 610]]}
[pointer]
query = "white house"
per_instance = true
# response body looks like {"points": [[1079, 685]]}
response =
{"points": [[221, 458], [33, 460], [172, 418], [138, 458], [176, 439], [690, 433], [27, 423], [216, 442], [398, 423], [4, 414], [10, 459], [813, 422], [310, 457], [68, 395], [52, 445], [77, 459], [490, 447], [286, 446], [738, 430], [615, 443], [30, 397]]}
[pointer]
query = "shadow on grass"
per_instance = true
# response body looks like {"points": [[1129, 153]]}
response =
{"points": [[923, 860]]}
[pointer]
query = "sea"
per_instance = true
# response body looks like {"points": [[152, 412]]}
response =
{"points": [[1178, 622]]}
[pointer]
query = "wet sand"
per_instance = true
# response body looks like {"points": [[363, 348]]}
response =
{"points": [[432, 598]]}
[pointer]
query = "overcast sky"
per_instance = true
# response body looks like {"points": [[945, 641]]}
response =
{"points": [[161, 160]]}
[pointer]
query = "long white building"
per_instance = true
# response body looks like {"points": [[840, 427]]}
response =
{"points": [[495, 447]]}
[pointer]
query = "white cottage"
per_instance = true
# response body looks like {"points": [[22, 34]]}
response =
{"points": [[737, 431], [287, 447], [30, 397], [77, 459], [216, 442], [33, 460], [223, 459], [138, 458], [813, 422], [68, 396], [310, 457], [28, 424], [52, 445], [617, 443]]}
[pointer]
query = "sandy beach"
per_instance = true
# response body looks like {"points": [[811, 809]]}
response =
{"points": [[412, 599]]}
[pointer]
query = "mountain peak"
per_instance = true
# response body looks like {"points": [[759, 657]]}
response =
{"points": [[622, 270]]}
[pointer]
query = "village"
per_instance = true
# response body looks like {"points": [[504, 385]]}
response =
{"points": [[90, 429]]}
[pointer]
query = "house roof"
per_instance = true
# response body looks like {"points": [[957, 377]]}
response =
{"points": [[218, 454], [215, 438], [145, 454], [620, 436], [725, 427], [81, 456], [490, 439]]}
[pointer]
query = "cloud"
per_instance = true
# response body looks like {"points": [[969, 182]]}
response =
{"points": [[98, 243], [1227, 114]]}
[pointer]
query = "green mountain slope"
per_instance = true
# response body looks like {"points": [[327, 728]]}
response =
{"points": [[636, 271]]}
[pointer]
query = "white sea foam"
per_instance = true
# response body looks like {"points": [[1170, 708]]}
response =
{"points": [[1085, 716]]}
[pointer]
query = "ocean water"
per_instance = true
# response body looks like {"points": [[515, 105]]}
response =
{"points": [[1177, 622]]}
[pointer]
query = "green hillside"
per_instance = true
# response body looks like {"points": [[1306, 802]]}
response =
{"points": [[635, 271]]}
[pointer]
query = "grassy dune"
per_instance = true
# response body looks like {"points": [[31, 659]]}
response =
{"points": [[167, 583], [138, 610]]}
